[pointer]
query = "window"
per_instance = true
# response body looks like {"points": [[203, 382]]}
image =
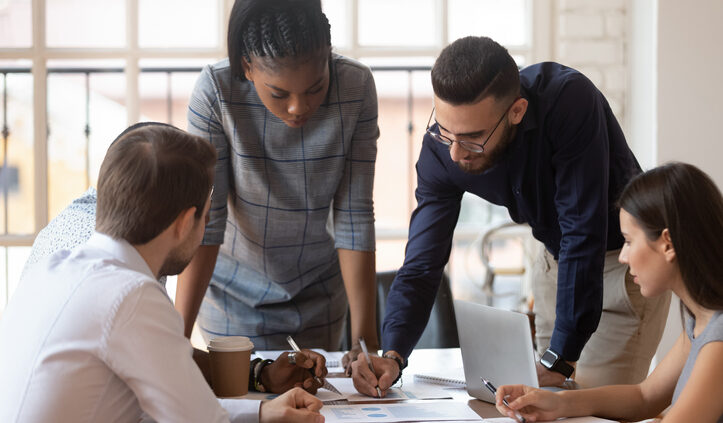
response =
{"points": [[74, 73], [73, 77]]}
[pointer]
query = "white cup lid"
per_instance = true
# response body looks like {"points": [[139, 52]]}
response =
{"points": [[230, 343]]}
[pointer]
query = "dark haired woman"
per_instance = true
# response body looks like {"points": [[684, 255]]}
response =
{"points": [[672, 221], [295, 127]]}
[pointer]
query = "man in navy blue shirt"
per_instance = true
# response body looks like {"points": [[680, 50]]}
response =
{"points": [[544, 143]]}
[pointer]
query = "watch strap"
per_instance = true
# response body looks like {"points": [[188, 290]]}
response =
{"points": [[400, 363], [560, 365]]}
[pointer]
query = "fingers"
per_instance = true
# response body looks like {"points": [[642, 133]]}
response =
{"points": [[389, 372], [316, 360], [305, 400], [509, 392], [301, 359], [364, 380], [531, 399], [311, 385], [349, 358], [295, 405]]}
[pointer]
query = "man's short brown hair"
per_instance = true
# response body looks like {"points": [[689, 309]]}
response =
{"points": [[150, 174]]}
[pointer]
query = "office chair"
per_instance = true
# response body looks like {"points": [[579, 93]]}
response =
{"points": [[441, 330], [504, 232]]}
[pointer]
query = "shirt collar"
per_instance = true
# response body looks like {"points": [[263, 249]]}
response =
{"points": [[122, 251], [528, 123], [529, 120]]}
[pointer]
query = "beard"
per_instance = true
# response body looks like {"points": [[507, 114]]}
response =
{"points": [[176, 261], [492, 157]]}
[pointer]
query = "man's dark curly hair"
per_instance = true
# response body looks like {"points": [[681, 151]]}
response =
{"points": [[276, 29]]}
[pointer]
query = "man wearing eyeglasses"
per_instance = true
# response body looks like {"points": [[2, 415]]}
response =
{"points": [[544, 143]]}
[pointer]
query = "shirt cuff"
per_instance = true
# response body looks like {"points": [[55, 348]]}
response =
{"points": [[213, 238], [241, 411], [568, 345], [395, 341]]}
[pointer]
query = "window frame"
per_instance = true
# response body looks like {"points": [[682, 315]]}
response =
{"points": [[538, 47]]}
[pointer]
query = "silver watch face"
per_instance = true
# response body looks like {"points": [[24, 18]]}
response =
{"points": [[548, 359]]}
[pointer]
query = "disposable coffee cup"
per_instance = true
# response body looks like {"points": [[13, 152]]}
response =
{"points": [[230, 360]]}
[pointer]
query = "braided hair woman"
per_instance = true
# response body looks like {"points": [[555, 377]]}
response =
{"points": [[291, 230]]}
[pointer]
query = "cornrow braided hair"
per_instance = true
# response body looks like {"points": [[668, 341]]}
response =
{"points": [[275, 29]]}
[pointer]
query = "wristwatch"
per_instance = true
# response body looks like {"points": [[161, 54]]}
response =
{"points": [[552, 361], [393, 355]]}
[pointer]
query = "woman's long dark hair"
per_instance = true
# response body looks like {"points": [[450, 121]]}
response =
{"points": [[276, 29], [683, 199]]}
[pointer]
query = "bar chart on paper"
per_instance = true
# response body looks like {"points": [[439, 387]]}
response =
{"points": [[403, 412]]}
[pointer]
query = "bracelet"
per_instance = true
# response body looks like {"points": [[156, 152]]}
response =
{"points": [[399, 363], [258, 368], [252, 376]]}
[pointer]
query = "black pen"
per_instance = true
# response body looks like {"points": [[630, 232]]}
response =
{"points": [[492, 389]]}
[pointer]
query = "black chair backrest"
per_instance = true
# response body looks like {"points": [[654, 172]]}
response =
{"points": [[441, 330]]}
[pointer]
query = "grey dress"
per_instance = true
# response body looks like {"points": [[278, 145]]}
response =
{"points": [[713, 332], [285, 200]]}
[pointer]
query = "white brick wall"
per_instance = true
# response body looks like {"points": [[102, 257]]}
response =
{"points": [[591, 36]]}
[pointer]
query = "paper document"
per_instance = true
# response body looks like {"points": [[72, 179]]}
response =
{"points": [[333, 358], [322, 394], [570, 420], [400, 412], [346, 387]]}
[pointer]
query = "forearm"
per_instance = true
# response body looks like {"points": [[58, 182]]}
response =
{"points": [[358, 269], [579, 309], [616, 402], [408, 307], [203, 361], [192, 284]]}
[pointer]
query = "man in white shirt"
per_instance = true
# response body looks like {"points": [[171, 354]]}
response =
{"points": [[91, 335]]}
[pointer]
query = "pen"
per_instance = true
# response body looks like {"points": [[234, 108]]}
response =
{"points": [[326, 385], [366, 355], [296, 348], [492, 389]]}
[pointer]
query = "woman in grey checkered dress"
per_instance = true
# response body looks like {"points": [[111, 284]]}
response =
{"points": [[291, 231]]}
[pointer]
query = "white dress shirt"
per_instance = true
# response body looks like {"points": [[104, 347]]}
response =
{"points": [[91, 335]]}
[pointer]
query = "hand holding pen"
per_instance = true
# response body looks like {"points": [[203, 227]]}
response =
{"points": [[371, 367], [492, 389], [321, 382]]}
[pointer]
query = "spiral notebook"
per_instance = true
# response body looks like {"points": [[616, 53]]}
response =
{"points": [[453, 378]]}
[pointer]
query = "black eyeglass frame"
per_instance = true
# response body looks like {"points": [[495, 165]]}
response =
{"points": [[467, 145]]}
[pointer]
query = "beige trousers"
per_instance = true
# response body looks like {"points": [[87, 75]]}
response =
{"points": [[622, 347]]}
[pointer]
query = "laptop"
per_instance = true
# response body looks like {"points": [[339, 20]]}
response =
{"points": [[496, 345]]}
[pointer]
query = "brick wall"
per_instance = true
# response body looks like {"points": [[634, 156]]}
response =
{"points": [[591, 36]]}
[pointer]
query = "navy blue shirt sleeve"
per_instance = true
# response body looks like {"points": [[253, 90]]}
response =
{"points": [[431, 228], [577, 129]]}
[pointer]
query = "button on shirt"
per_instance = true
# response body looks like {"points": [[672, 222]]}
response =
{"points": [[90, 335], [563, 172]]}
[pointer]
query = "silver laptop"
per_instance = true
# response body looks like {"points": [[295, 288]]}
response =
{"points": [[496, 344]]}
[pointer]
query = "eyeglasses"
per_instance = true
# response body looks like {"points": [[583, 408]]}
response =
{"points": [[467, 145]]}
